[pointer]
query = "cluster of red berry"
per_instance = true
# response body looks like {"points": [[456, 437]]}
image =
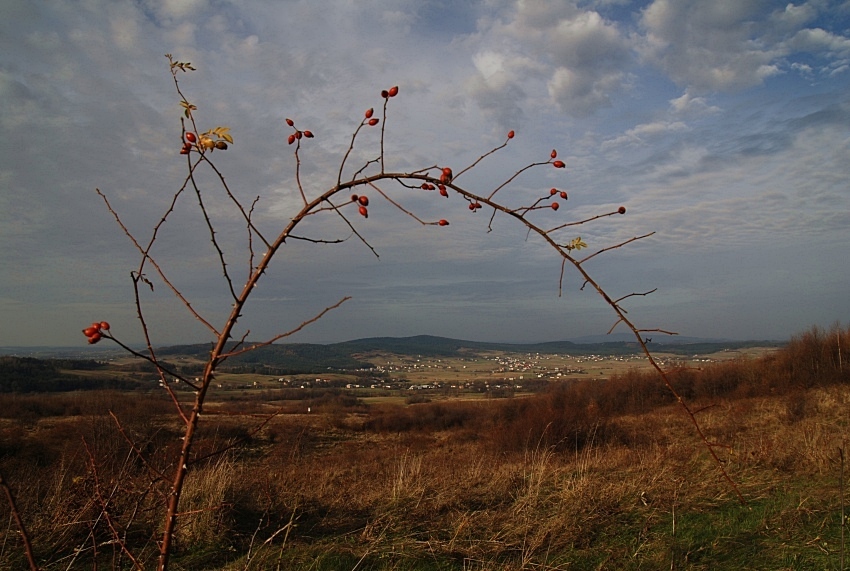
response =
{"points": [[363, 201], [556, 164], [94, 331], [187, 144], [297, 134], [205, 142], [446, 176], [562, 194], [386, 94], [371, 120], [391, 92]]}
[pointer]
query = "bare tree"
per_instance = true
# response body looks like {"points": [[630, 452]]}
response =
{"points": [[341, 202]]}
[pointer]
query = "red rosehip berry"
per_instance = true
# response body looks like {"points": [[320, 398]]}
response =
{"points": [[555, 206], [89, 331], [510, 134], [443, 190], [94, 338], [558, 164], [393, 91], [553, 191], [364, 212], [364, 200], [96, 325], [298, 134], [184, 151], [385, 94], [308, 134], [104, 325], [622, 210], [553, 154], [369, 113], [191, 137], [290, 122], [443, 222], [373, 121], [563, 195], [291, 138], [354, 198], [472, 206]]}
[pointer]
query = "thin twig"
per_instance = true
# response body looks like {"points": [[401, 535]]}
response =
{"points": [[304, 324], [13, 507], [620, 245], [213, 239], [104, 503], [147, 257]]}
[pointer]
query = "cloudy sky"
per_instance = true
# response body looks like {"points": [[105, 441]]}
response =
{"points": [[722, 126]]}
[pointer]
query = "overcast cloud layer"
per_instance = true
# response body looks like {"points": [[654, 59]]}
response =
{"points": [[722, 126]]}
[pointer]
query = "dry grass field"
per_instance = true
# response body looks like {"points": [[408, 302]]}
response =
{"points": [[594, 474]]}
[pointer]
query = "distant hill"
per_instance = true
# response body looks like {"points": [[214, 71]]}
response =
{"points": [[292, 358], [278, 359], [303, 358]]}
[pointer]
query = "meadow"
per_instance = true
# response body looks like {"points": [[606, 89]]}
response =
{"points": [[590, 471]]}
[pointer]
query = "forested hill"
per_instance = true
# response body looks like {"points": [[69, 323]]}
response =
{"points": [[26, 374], [307, 357], [280, 359]]}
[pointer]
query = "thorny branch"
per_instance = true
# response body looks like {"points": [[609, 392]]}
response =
{"points": [[146, 257], [13, 507], [104, 508], [219, 251], [304, 324]]}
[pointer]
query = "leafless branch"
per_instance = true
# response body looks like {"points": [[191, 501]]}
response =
{"points": [[211, 229], [620, 245], [157, 474], [104, 506], [585, 221], [147, 257], [13, 507], [304, 324], [618, 300]]}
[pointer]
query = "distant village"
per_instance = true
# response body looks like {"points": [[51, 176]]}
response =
{"points": [[479, 373]]}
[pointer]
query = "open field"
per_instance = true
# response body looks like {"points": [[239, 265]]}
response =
{"points": [[456, 375], [593, 474]]}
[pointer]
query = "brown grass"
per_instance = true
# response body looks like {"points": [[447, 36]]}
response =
{"points": [[585, 475]]}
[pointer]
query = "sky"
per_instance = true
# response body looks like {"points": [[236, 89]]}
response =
{"points": [[723, 127]]}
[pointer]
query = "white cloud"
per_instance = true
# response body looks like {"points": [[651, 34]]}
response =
{"points": [[590, 56], [581, 58], [732, 44], [707, 45], [169, 10], [817, 40], [645, 132], [689, 105], [793, 17]]}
